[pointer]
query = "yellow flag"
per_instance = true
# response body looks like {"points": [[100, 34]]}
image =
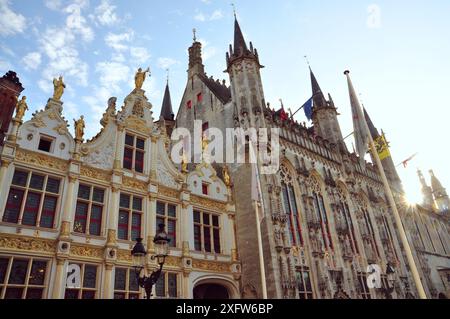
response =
{"points": [[382, 147]]}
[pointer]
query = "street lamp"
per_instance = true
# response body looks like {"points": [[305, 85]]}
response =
{"points": [[139, 254], [390, 275]]}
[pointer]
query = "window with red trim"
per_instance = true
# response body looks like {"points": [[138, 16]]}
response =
{"points": [[291, 210], [134, 153], [199, 97], [189, 104], [166, 214], [130, 217], [204, 189], [206, 232], [32, 199], [89, 210]]}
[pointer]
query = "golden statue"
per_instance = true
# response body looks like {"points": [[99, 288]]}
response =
{"points": [[21, 107], [205, 142], [59, 87], [226, 176], [184, 168], [139, 78], [79, 128]]}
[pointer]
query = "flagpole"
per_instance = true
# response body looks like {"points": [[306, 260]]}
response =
{"points": [[255, 176], [398, 221]]}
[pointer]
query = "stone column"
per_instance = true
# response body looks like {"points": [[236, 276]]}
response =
{"points": [[12, 136], [153, 157], [120, 140], [3, 190], [67, 215], [59, 283], [108, 288]]}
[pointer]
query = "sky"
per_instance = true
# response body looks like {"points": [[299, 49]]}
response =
{"points": [[397, 51]]}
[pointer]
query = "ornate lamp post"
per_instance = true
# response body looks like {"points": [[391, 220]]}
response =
{"points": [[139, 254]]}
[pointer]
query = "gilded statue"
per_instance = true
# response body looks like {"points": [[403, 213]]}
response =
{"points": [[140, 77], [226, 176], [79, 128], [21, 107], [59, 87], [184, 165]]}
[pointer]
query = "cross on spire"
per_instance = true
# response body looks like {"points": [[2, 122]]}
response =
{"points": [[194, 31], [234, 9]]}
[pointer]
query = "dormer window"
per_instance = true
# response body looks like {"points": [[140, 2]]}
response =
{"points": [[205, 189], [46, 144], [133, 154]]}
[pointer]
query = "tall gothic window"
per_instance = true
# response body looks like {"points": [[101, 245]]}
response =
{"points": [[166, 214], [130, 217], [321, 213], [290, 208], [305, 290], [346, 220], [89, 210]]}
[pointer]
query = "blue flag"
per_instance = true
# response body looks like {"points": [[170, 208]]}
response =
{"points": [[308, 107]]}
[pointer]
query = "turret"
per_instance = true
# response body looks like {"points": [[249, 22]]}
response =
{"points": [[10, 89], [440, 194], [426, 191], [167, 114], [195, 58], [325, 115], [247, 93]]}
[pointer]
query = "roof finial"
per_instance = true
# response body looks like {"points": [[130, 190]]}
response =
{"points": [[234, 10], [167, 71], [281, 101], [194, 31], [307, 61]]}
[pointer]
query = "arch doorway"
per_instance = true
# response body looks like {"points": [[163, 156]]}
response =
{"points": [[211, 291]]}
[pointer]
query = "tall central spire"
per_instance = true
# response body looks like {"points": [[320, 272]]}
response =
{"points": [[240, 47], [318, 97]]}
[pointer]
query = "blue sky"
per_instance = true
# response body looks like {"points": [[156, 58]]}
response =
{"points": [[398, 53]]}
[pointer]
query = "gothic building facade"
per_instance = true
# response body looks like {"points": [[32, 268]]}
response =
{"points": [[324, 216]]}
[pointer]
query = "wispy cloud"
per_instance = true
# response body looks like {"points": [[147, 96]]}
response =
{"points": [[215, 15], [10, 22], [118, 41], [165, 63], [32, 60], [53, 4], [140, 54], [77, 22], [105, 14]]}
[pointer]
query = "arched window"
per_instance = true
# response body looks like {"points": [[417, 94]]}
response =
{"points": [[321, 213], [346, 220], [290, 207]]}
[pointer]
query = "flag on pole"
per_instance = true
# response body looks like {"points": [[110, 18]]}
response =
{"points": [[308, 107], [360, 132], [406, 161], [382, 147]]}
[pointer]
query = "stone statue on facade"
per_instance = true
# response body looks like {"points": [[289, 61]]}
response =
{"points": [[79, 128], [140, 76], [21, 107], [59, 86]]}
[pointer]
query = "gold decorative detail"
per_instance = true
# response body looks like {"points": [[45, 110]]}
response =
{"points": [[79, 128], [140, 76], [234, 255], [65, 229], [41, 160], [208, 203], [168, 192], [211, 265], [59, 87], [184, 165], [124, 255], [135, 184], [226, 176], [21, 107], [52, 116], [173, 261], [138, 109], [27, 243], [137, 124], [111, 237], [86, 251], [94, 173], [186, 251]]}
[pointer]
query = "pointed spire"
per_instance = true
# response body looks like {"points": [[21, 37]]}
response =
{"points": [[240, 47], [373, 130], [166, 108], [318, 97], [195, 57], [435, 183]]}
